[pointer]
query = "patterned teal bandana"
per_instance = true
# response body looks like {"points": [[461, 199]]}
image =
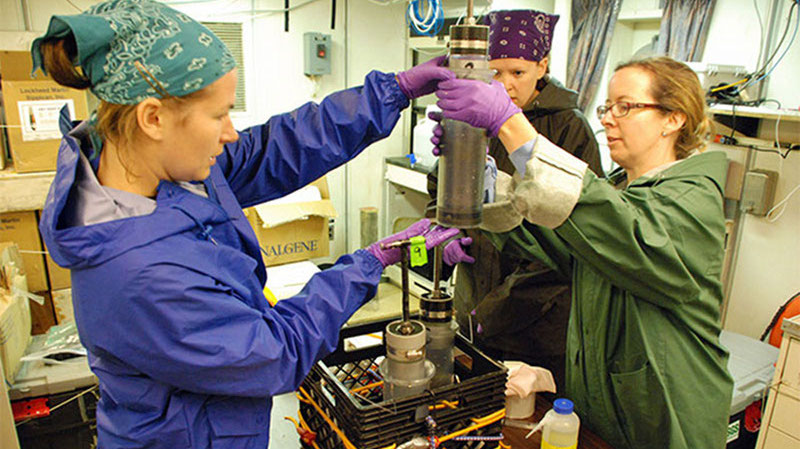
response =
{"points": [[134, 49]]}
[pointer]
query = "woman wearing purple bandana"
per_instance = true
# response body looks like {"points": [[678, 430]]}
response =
{"points": [[520, 308]]}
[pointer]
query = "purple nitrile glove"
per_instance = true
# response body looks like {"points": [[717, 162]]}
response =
{"points": [[439, 235], [433, 237], [422, 79], [481, 105], [454, 251], [438, 132]]}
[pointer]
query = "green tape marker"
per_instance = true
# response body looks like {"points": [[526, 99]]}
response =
{"points": [[419, 254]]}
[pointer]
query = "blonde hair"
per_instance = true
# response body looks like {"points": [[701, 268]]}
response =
{"points": [[676, 87]]}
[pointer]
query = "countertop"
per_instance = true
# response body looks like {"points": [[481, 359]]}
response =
{"points": [[386, 304]]}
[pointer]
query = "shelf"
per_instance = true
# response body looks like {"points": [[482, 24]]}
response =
{"points": [[640, 16], [788, 115], [428, 44], [387, 303], [407, 177], [757, 124], [23, 191]]}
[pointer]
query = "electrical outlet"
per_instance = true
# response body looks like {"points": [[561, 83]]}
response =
{"points": [[316, 54], [758, 191]]}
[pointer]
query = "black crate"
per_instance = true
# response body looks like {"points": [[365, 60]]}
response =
{"points": [[371, 423]]}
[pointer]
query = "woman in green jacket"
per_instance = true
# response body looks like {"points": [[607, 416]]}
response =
{"points": [[644, 250]]}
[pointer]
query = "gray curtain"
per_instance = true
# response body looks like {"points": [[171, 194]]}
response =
{"points": [[592, 27], [684, 28]]}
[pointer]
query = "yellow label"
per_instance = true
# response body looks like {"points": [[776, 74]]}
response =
{"points": [[546, 445], [419, 254]]}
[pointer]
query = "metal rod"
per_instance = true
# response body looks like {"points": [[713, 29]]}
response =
{"points": [[286, 16], [469, 10], [738, 224], [405, 328], [769, 40], [437, 272]]}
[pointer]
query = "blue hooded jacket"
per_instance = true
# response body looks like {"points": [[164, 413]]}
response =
{"points": [[169, 304]]}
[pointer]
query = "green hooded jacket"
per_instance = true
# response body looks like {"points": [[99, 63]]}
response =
{"points": [[645, 367]]}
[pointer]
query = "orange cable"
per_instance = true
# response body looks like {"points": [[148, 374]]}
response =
{"points": [[366, 387], [345, 441], [443, 404]]}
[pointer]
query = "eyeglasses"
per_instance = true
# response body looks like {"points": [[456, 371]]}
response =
{"points": [[621, 108]]}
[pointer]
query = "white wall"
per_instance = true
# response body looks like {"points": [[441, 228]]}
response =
{"points": [[376, 41], [767, 272]]}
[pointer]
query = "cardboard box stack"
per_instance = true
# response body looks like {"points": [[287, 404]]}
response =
{"points": [[295, 227], [22, 229], [32, 107]]}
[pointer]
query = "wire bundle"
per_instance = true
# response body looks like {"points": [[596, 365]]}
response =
{"points": [[428, 24], [762, 73]]}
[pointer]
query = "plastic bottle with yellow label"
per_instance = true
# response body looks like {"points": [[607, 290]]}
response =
{"points": [[561, 426]]}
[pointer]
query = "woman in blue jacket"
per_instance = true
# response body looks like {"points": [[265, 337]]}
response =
{"points": [[146, 212]]}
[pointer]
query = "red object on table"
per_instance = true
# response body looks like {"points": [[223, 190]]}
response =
{"points": [[32, 408]]}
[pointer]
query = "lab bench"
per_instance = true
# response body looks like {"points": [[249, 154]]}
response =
{"points": [[387, 303]]}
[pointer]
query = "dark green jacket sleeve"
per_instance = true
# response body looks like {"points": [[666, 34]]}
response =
{"points": [[530, 241], [648, 239]]}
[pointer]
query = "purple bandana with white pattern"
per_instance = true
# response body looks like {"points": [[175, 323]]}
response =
{"points": [[522, 33]]}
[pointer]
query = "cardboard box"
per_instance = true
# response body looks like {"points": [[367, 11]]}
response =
{"points": [[22, 229], [62, 301], [59, 277], [32, 108], [15, 313], [3, 134], [43, 314], [289, 230]]}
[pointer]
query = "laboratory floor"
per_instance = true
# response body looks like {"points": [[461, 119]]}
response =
{"points": [[282, 434]]}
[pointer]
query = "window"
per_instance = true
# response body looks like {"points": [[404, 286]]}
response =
{"points": [[231, 34]]}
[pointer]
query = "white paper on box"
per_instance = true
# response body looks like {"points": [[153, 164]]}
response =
{"points": [[39, 119], [307, 193], [298, 205], [287, 280]]}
